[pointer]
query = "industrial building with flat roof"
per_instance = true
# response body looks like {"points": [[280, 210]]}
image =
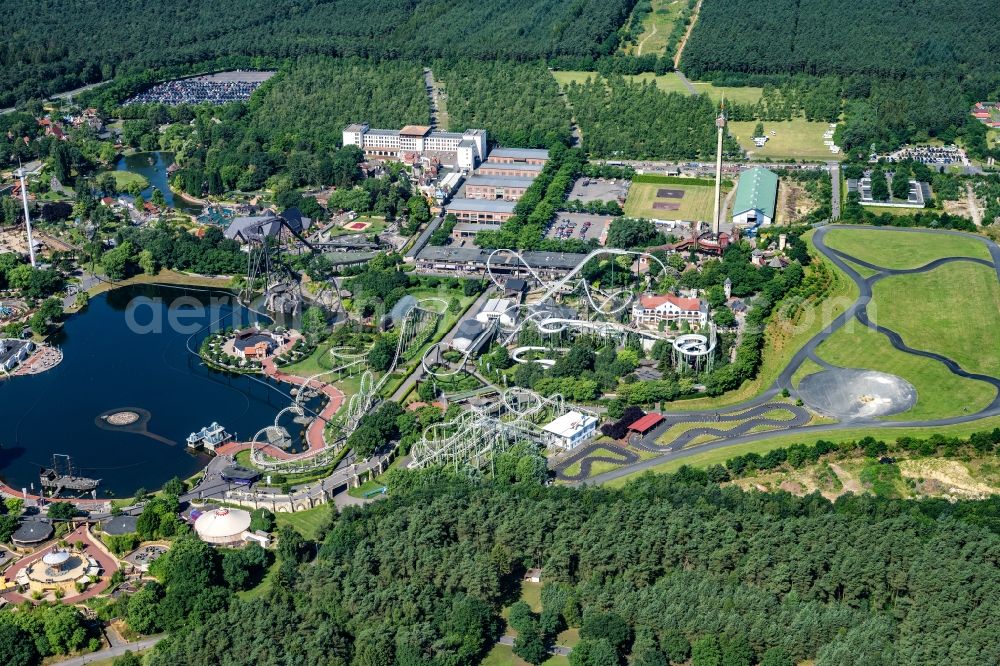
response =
{"points": [[515, 155], [468, 230], [472, 261], [469, 147], [513, 169], [756, 198], [480, 210], [496, 187]]}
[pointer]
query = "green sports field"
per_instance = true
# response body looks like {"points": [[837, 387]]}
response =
{"points": [[798, 138], [903, 250], [696, 204]]}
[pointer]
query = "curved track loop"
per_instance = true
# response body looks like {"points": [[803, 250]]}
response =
{"points": [[477, 435], [858, 310], [559, 286]]}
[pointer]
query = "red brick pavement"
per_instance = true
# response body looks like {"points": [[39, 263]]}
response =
{"points": [[108, 564]]}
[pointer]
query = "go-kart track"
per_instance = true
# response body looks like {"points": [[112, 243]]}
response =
{"points": [[853, 396]]}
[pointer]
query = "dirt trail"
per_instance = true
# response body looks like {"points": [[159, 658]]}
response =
{"points": [[645, 39], [974, 211], [687, 33], [851, 484]]}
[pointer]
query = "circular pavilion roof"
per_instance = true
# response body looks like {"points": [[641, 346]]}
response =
{"points": [[222, 523], [55, 558], [32, 531]]}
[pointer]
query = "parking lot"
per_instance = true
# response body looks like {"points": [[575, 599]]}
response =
{"points": [[582, 226], [598, 189]]}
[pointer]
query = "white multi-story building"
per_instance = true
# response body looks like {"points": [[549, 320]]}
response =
{"points": [[650, 309], [469, 147]]}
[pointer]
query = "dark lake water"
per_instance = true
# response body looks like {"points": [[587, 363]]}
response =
{"points": [[109, 365], [154, 167]]}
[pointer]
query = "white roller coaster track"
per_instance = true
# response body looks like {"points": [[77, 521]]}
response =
{"points": [[559, 286], [476, 435], [413, 322]]}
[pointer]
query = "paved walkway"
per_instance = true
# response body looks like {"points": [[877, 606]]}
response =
{"points": [[108, 564], [315, 439]]}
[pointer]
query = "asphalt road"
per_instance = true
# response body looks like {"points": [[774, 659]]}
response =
{"points": [[112, 652], [835, 191], [857, 310]]}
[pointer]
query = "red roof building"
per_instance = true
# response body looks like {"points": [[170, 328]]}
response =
{"points": [[651, 309], [646, 423]]}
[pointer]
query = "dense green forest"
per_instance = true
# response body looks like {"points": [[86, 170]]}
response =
{"points": [[636, 120], [668, 569], [909, 70], [518, 103], [54, 45], [308, 105], [290, 128], [882, 38]]}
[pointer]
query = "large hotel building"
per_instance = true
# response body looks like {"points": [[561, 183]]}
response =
{"points": [[469, 147]]}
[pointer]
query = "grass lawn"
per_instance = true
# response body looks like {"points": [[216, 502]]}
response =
{"points": [[564, 78], [953, 310], [656, 27], [696, 204], [670, 82], [126, 179], [863, 271], [719, 456], [308, 523], [808, 367], [531, 594], [793, 139], [885, 248], [939, 392], [892, 210], [265, 585], [740, 95], [165, 276]]}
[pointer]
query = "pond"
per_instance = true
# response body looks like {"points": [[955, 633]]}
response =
{"points": [[130, 348], [153, 167]]}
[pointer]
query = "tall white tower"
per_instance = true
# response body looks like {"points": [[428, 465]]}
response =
{"points": [[27, 216], [720, 123]]}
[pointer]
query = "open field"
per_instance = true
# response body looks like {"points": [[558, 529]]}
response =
{"points": [[953, 310], [910, 477], [670, 82], [719, 456], [503, 655], [903, 250], [696, 204], [939, 392], [656, 27], [798, 138]]}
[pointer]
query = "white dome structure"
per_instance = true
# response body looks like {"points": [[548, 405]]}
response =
{"points": [[222, 526], [56, 558]]}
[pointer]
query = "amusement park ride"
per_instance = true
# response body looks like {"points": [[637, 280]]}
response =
{"points": [[479, 433]]}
